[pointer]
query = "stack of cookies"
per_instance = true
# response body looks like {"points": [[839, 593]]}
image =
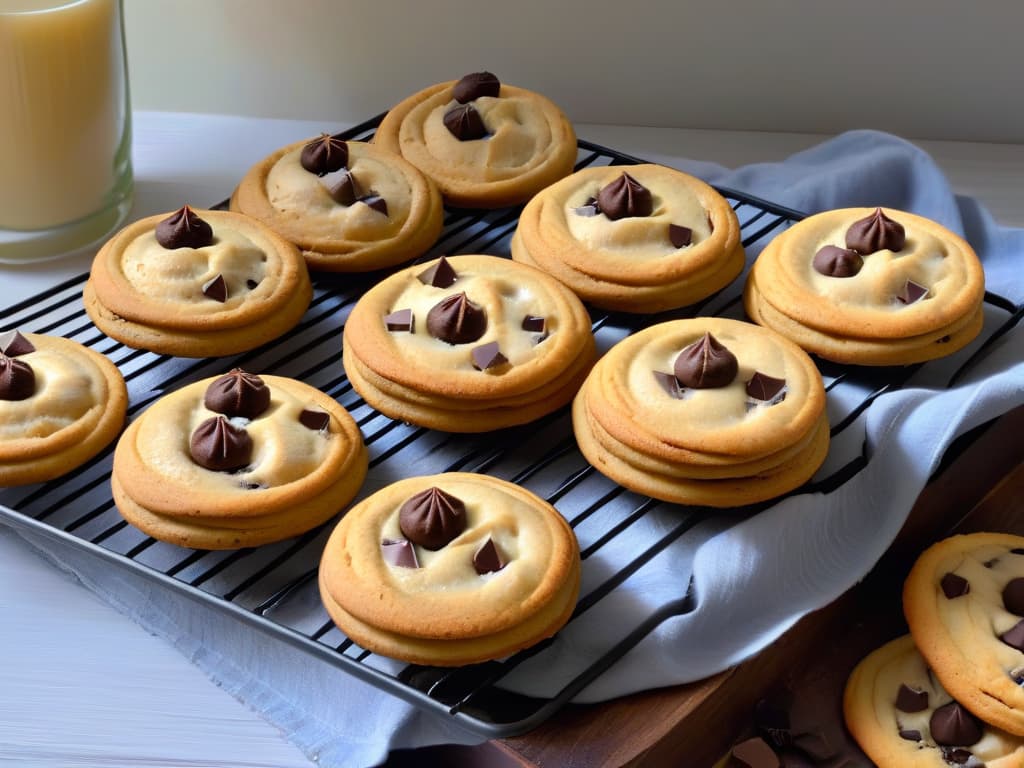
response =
{"points": [[951, 692]]}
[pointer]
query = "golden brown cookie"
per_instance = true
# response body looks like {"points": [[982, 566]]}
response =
{"points": [[237, 461], [704, 411], [450, 569], [348, 205], [902, 717], [964, 603], [640, 238], [468, 344], [869, 287], [60, 405], [197, 284], [484, 143]]}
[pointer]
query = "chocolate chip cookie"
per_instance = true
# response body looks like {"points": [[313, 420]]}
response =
{"points": [[704, 411], [60, 405], [902, 717], [450, 569], [486, 144], [869, 287], [640, 238], [197, 284], [348, 205], [468, 344], [237, 461], [964, 603]]}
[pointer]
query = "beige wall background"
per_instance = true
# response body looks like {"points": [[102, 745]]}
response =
{"points": [[939, 69]]}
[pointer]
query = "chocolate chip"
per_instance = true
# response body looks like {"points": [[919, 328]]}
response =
{"points": [[1018, 551], [324, 155], [534, 324], [215, 288], [400, 320], [376, 202], [679, 236], [670, 384], [589, 208], [317, 420], [13, 344], [832, 261], [954, 586], [345, 191], [488, 356], [250, 486], [766, 388], [456, 320], [400, 553], [911, 699], [475, 85], [625, 197], [1014, 637], [17, 379], [219, 445], [953, 726], [252, 284], [875, 233], [487, 559], [755, 753], [441, 275], [238, 393], [465, 123], [991, 563], [910, 735], [956, 756], [1013, 596], [706, 364], [432, 518], [912, 292], [184, 229]]}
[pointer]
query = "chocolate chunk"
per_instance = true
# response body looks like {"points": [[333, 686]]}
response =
{"points": [[219, 445], [17, 379], [475, 85], [345, 191], [215, 288], [317, 420], [670, 384], [456, 320], [1013, 596], [912, 292], [589, 208], [465, 123], [534, 324], [488, 356], [910, 735], [766, 388], [954, 586], [679, 236], [1014, 637], [441, 275], [755, 753], [400, 553], [625, 197], [432, 518], [875, 233], [238, 393], [487, 559], [706, 364], [184, 229], [13, 344], [956, 756], [1018, 551], [376, 202], [252, 284], [953, 726], [324, 155], [911, 699], [400, 320], [832, 261]]}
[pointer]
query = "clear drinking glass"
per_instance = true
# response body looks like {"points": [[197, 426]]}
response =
{"points": [[65, 126]]}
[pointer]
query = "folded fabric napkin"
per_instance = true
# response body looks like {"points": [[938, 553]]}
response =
{"points": [[751, 578]]}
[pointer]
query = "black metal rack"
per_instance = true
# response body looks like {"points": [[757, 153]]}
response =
{"points": [[272, 588]]}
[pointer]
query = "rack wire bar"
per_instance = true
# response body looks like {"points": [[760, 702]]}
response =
{"points": [[269, 588]]}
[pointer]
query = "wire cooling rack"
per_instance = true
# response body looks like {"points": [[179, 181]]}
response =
{"points": [[273, 588]]}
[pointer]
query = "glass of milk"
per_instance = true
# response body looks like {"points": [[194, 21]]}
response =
{"points": [[65, 126]]}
